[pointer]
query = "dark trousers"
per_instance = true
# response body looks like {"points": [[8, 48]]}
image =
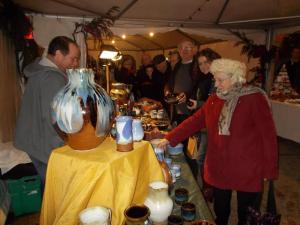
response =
{"points": [[222, 199]]}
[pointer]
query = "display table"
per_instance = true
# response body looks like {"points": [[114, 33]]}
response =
{"points": [[102, 176], [188, 182], [287, 119]]}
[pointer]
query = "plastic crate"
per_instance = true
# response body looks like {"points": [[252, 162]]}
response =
{"points": [[25, 195]]}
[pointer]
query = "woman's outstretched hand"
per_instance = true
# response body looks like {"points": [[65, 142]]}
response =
{"points": [[163, 144]]}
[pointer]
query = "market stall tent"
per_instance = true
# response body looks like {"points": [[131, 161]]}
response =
{"points": [[207, 18]]}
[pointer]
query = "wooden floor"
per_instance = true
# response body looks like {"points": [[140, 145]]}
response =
{"points": [[287, 189]]}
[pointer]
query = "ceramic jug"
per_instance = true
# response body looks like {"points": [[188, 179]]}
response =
{"points": [[82, 110], [137, 130], [95, 216], [159, 202]]}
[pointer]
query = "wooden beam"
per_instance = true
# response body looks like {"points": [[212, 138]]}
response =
{"points": [[149, 40], [77, 7], [187, 36], [222, 11], [129, 42]]}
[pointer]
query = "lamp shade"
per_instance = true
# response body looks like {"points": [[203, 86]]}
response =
{"points": [[108, 52]]}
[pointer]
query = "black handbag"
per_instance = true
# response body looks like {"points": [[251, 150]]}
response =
{"points": [[270, 217]]}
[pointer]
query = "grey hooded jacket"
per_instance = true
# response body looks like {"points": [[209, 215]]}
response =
{"points": [[35, 133]]}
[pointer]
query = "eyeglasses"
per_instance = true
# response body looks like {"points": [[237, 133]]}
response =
{"points": [[186, 47]]}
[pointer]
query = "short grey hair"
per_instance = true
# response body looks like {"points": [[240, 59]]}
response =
{"points": [[236, 70], [184, 42]]}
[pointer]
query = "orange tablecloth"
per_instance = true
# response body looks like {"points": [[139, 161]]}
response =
{"points": [[102, 176]]}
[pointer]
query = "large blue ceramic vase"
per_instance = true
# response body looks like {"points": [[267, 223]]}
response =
{"points": [[83, 110]]}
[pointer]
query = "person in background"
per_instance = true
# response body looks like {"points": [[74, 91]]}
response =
{"points": [[35, 133], [182, 82], [126, 73], [174, 58], [293, 68], [242, 143], [201, 92], [141, 75], [161, 75], [147, 87]]}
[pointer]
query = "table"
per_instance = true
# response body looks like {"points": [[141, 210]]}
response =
{"points": [[188, 182], [287, 120], [79, 179]]}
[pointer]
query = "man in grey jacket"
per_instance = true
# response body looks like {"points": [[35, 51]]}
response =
{"points": [[35, 133]]}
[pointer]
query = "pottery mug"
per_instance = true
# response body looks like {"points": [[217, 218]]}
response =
{"points": [[181, 196], [160, 154], [124, 135], [137, 215], [188, 211], [98, 215], [137, 130], [175, 220], [169, 162], [177, 169]]}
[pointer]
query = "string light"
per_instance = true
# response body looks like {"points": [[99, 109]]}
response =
{"points": [[113, 41], [151, 34], [123, 36]]}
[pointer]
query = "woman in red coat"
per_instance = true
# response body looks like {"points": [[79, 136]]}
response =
{"points": [[242, 144]]}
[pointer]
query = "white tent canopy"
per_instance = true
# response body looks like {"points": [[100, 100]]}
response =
{"points": [[178, 13], [208, 20], [45, 28]]}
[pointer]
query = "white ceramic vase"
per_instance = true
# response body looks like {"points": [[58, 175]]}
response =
{"points": [[159, 202]]}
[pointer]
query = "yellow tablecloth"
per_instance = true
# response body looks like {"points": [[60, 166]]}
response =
{"points": [[102, 176]]}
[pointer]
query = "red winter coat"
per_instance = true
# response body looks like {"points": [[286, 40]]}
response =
{"points": [[239, 161]]}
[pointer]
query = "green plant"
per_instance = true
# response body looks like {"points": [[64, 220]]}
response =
{"points": [[253, 50], [98, 27]]}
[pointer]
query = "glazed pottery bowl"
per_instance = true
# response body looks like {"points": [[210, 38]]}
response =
{"points": [[181, 196], [188, 211], [176, 150]]}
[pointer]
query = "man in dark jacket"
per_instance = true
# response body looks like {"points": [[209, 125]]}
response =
{"points": [[182, 81], [35, 133], [293, 69], [161, 75]]}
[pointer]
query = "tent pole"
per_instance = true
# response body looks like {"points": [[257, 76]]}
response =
{"points": [[222, 11], [107, 78], [268, 75]]}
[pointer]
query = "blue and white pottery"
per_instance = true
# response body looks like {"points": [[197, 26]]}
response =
{"points": [[137, 130], [176, 150], [83, 110], [124, 130], [177, 169]]}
